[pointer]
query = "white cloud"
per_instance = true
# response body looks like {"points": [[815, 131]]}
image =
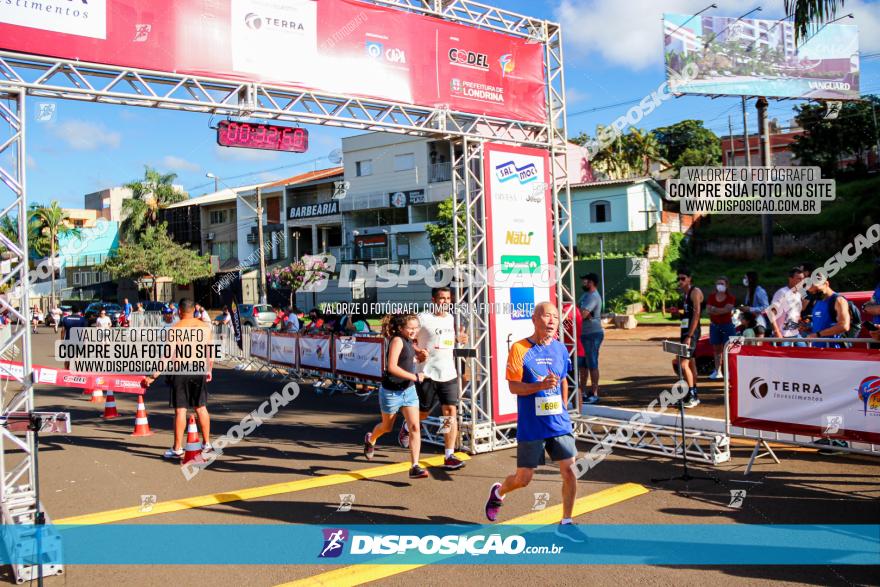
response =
{"points": [[630, 33], [179, 164], [266, 176], [31, 163], [238, 154], [867, 18], [82, 135], [574, 95]]}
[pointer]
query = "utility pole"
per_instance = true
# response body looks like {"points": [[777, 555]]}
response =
{"points": [[766, 161], [732, 161], [748, 146], [261, 286]]}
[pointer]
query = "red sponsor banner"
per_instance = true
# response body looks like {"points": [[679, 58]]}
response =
{"points": [[833, 393], [339, 46], [66, 378]]}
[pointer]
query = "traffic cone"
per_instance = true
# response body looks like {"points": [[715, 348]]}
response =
{"points": [[193, 448], [97, 396], [110, 406], [141, 425]]}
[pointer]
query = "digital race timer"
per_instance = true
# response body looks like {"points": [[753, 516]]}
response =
{"points": [[262, 136]]}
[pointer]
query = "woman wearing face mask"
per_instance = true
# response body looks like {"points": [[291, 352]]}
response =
{"points": [[719, 306], [756, 300]]}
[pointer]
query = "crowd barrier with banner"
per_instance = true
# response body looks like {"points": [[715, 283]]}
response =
{"points": [[798, 395]]}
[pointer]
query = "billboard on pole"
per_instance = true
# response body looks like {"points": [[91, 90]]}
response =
{"points": [[338, 46], [753, 57]]}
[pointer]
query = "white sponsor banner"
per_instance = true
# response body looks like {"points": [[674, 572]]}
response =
{"points": [[314, 353], [361, 357], [809, 392], [259, 344], [282, 348], [519, 243], [60, 16], [266, 33]]}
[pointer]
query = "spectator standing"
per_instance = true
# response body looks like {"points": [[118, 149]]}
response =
{"points": [[784, 312], [720, 306], [756, 300], [56, 317], [830, 317], [103, 320], [592, 333]]}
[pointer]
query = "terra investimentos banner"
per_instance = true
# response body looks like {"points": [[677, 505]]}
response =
{"points": [[520, 250]]}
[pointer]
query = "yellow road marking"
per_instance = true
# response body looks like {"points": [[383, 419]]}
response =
{"points": [[177, 505], [360, 574]]}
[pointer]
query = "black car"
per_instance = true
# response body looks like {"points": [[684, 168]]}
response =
{"points": [[113, 312]]}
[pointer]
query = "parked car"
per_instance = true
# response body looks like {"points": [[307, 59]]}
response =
{"points": [[113, 312], [256, 315], [705, 354]]}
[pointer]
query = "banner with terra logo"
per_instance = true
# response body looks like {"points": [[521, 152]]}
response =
{"points": [[520, 249], [359, 356], [338, 46], [260, 343], [832, 393], [314, 353], [282, 348]]}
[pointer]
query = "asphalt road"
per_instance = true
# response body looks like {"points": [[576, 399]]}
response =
{"points": [[101, 467]]}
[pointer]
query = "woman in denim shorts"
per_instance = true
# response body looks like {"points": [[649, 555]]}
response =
{"points": [[398, 390]]}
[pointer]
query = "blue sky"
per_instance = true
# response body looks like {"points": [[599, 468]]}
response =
{"points": [[613, 55]]}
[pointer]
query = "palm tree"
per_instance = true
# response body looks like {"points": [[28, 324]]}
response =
{"points": [[641, 149], [809, 13], [50, 222], [149, 195]]}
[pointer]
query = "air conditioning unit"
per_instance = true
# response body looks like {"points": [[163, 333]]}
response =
{"points": [[209, 236]]}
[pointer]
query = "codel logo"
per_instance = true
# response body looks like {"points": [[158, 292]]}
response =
{"points": [[253, 21], [869, 393], [334, 542], [758, 388]]}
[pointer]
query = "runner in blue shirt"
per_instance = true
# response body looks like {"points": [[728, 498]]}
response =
{"points": [[536, 373]]}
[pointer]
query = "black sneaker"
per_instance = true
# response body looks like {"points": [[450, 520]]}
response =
{"points": [[417, 472], [692, 402], [493, 504], [451, 463], [369, 447], [403, 437]]}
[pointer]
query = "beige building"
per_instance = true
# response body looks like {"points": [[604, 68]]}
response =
{"points": [[81, 218]]}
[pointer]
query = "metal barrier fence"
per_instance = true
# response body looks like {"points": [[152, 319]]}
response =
{"points": [[793, 398]]}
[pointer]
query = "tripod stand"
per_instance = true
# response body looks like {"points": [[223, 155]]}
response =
{"points": [[683, 352]]}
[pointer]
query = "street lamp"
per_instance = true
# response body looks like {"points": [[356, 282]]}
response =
{"points": [[216, 181], [296, 235]]}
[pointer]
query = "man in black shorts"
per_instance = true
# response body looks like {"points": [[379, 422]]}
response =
{"points": [[436, 341], [692, 304], [189, 391]]}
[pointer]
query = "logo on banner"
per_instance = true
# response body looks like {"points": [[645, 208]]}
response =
{"points": [[508, 170], [346, 500], [85, 18], [522, 302], [869, 393], [142, 32], [471, 59], [256, 22], [507, 64], [74, 379], [515, 237], [833, 424], [758, 388], [334, 540], [377, 50]]}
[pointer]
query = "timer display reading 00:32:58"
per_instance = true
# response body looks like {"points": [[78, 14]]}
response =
{"points": [[262, 136]]}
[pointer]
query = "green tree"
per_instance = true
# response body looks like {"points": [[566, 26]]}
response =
{"points": [[50, 222], [809, 13], [151, 194], [441, 233], [299, 274], [155, 254], [688, 143], [641, 150], [826, 142]]}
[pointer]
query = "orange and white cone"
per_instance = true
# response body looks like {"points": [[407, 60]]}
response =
{"points": [[141, 425], [193, 448], [97, 396], [110, 406]]}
